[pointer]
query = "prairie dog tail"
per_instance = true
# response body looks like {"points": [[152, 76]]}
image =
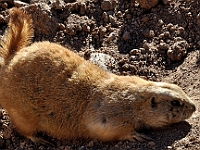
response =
{"points": [[18, 35]]}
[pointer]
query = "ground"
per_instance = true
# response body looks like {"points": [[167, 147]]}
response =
{"points": [[160, 44]]}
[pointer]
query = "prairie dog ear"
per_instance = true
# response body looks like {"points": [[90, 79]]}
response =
{"points": [[153, 102]]}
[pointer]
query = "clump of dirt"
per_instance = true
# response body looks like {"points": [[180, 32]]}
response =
{"points": [[157, 40]]}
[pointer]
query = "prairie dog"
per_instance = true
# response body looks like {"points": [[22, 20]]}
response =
{"points": [[47, 88]]}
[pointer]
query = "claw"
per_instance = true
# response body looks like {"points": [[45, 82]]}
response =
{"points": [[41, 141], [141, 137], [137, 137]]}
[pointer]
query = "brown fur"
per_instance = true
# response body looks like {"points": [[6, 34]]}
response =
{"points": [[47, 88]]}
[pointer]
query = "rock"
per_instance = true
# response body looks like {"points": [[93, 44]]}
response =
{"points": [[104, 61], [85, 27], [106, 5], [42, 18], [198, 43], [147, 4], [149, 33], [135, 52], [125, 67], [102, 31], [169, 26], [91, 144], [70, 30], [57, 4], [82, 8], [112, 36], [198, 19], [112, 20], [105, 17], [151, 144], [126, 36], [163, 46], [19, 3], [76, 23], [2, 19], [177, 50]]}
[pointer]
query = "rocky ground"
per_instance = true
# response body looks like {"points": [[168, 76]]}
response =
{"points": [[158, 40]]}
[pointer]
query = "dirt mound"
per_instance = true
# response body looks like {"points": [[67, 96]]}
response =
{"points": [[160, 43]]}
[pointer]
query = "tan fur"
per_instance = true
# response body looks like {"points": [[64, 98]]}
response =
{"points": [[47, 88]]}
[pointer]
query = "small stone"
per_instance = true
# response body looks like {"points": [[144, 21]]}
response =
{"points": [[70, 30], [104, 61], [142, 50], [169, 26], [125, 67], [106, 5], [41, 147], [161, 36], [61, 26], [3, 19], [166, 34], [146, 45], [81, 148], [147, 4], [193, 138], [198, 43], [122, 61], [129, 16], [113, 20], [151, 144], [112, 36], [102, 31], [172, 29], [133, 68], [86, 28], [145, 19], [19, 4], [163, 46], [148, 33], [198, 19], [4, 5], [133, 57], [67, 148], [82, 8], [105, 17], [91, 144], [57, 4], [133, 52], [180, 30], [126, 36], [160, 22], [119, 14], [169, 147]]}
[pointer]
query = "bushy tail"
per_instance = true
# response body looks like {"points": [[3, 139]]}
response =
{"points": [[18, 35]]}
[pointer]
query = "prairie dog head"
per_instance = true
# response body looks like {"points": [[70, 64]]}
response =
{"points": [[164, 104]]}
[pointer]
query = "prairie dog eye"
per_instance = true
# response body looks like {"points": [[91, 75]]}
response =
{"points": [[175, 103]]}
